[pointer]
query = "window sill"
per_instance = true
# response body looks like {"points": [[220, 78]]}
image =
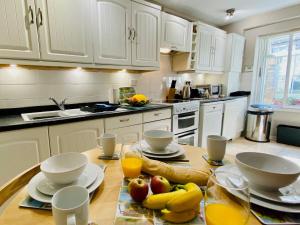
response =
{"points": [[295, 109]]}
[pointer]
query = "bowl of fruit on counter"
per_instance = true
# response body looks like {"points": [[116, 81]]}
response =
{"points": [[175, 203], [137, 100]]}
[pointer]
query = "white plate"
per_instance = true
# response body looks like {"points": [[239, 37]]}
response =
{"points": [[171, 149], [35, 194], [282, 207], [88, 176]]}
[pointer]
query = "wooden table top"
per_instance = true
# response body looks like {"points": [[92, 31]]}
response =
{"points": [[103, 206]]}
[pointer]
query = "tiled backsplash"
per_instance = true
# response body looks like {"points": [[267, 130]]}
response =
{"points": [[21, 87]]}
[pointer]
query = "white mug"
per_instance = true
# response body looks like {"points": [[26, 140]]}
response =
{"points": [[70, 206], [108, 143], [216, 147]]}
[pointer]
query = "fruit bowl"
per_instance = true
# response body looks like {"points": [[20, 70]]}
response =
{"points": [[137, 100]]}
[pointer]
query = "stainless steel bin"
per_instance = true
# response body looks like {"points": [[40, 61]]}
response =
{"points": [[259, 123]]}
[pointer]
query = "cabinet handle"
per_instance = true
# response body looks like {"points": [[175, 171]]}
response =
{"points": [[39, 18], [157, 114], [31, 15], [130, 33], [134, 34], [174, 47], [124, 120]]}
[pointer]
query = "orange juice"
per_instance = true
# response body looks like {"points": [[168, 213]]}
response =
{"points": [[222, 214], [131, 167]]}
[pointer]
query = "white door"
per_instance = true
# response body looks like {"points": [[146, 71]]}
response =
{"points": [[204, 50], [75, 137], [158, 125], [112, 21], [18, 33], [219, 50], [22, 149], [146, 35], [127, 135], [176, 33], [65, 30], [237, 48]]}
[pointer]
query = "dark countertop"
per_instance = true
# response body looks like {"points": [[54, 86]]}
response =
{"points": [[13, 121], [203, 101]]}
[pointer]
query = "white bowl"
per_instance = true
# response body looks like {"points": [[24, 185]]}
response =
{"points": [[265, 171], [64, 168], [158, 139]]}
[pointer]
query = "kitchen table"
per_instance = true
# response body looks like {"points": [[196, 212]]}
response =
{"points": [[103, 206]]}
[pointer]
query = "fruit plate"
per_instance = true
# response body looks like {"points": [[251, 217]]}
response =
{"points": [[35, 194], [171, 149]]}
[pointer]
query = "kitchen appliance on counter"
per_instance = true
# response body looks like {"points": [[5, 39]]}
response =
{"points": [[186, 91], [100, 107], [208, 90], [185, 121]]}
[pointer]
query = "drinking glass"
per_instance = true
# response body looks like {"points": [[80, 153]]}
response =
{"points": [[227, 199], [131, 158]]}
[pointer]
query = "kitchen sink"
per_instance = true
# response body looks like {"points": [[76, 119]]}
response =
{"points": [[52, 114]]}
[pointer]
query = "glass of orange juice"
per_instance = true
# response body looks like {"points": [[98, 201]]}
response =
{"points": [[227, 200], [131, 159]]}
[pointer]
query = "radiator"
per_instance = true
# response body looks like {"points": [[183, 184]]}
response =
{"points": [[288, 135]]}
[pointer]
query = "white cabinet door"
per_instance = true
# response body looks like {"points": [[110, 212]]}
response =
{"points": [[234, 117], [75, 137], [219, 52], [127, 135], [237, 53], [21, 150], [204, 51], [65, 30], [112, 21], [158, 125], [210, 122], [146, 35], [176, 33], [18, 33]]}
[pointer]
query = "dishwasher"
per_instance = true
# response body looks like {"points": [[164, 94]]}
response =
{"points": [[210, 121]]}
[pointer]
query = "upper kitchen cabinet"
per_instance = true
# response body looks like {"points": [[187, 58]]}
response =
{"points": [[145, 35], [112, 31], [65, 30], [176, 33], [18, 38], [234, 53], [211, 44]]}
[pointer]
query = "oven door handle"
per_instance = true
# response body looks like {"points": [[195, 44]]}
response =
{"points": [[187, 135], [187, 117]]}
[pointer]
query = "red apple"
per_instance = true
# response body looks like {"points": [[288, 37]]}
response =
{"points": [[138, 189], [160, 184]]}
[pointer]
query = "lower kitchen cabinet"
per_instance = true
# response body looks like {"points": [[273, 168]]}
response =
{"points": [[158, 125], [21, 150], [127, 135], [210, 122], [234, 117], [75, 137]]}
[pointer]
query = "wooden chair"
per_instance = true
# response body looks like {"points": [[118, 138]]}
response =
{"points": [[11, 187]]}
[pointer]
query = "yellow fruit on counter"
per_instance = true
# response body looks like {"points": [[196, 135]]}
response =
{"points": [[186, 201], [159, 201], [179, 217], [191, 187], [139, 98]]}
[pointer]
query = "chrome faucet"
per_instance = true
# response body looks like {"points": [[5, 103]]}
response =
{"points": [[60, 105]]}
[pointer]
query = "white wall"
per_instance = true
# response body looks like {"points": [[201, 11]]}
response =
{"points": [[278, 21]]}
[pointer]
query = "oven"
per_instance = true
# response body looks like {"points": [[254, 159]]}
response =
{"points": [[188, 138], [184, 122]]}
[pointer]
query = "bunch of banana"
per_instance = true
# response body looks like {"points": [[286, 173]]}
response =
{"points": [[178, 206]]}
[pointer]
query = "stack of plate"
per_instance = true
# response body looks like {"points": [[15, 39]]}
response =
{"points": [[286, 199], [173, 150], [41, 189]]}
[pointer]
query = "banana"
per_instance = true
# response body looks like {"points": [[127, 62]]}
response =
{"points": [[186, 201], [178, 217], [191, 187], [159, 201]]}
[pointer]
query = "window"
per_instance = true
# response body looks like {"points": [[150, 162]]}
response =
{"points": [[280, 70]]}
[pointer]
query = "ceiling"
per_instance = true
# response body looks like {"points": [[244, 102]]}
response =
{"points": [[213, 11]]}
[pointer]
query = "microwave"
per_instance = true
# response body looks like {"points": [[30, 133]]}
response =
{"points": [[214, 90]]}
